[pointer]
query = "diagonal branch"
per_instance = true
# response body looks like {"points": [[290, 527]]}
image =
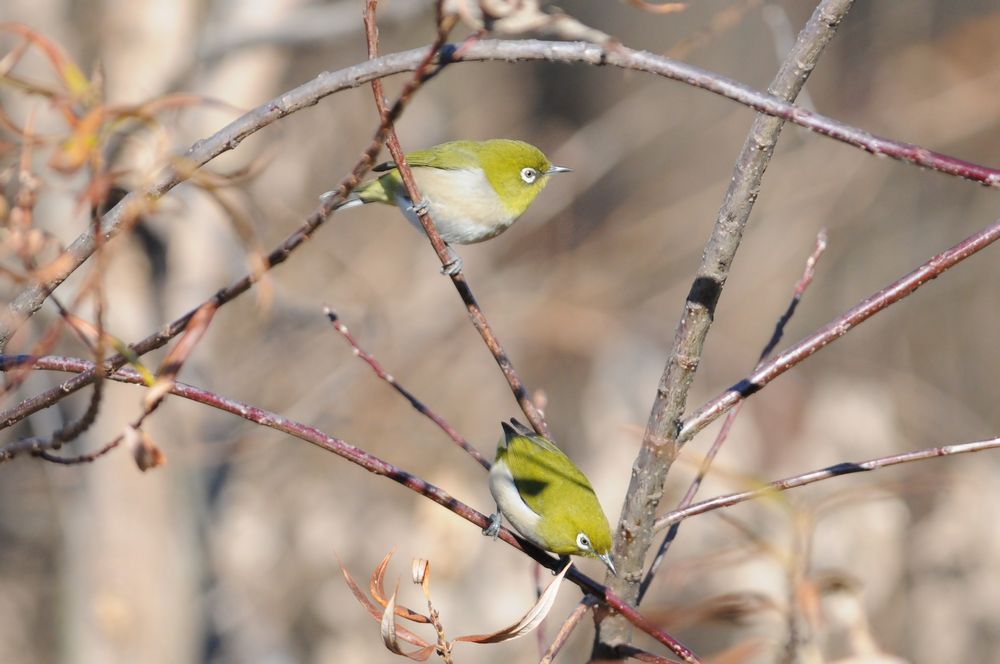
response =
{"points": [[369, 462], [476, 314], [417, 404], [837, 328]]}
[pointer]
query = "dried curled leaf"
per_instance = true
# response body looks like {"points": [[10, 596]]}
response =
{"points": [[529, 621], [421, 573], [376, 613], [145, 452], [388, 631], [392, 633], [376, 585]]}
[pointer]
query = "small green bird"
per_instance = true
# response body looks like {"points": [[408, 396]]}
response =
{"points": [[546, 497], [474, 190]]}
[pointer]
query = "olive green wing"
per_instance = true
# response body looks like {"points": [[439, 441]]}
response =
{"points": [[454, 155], [544, 476]]}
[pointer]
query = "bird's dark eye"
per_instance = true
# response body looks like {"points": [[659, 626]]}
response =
{"points": [[582, 541], [529, 175]]}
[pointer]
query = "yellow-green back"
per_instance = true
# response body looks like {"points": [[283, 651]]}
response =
{"points": [[554, 488]]}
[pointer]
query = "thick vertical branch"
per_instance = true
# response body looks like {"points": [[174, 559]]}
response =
{"points": [[660, 444], [706, 464]]}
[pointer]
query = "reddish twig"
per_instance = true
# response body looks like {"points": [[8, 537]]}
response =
{"points": [[706, 464], [836, 470], [632, 614], [409, 396], [479, 319], [567, 628], [369, 462], [800, 288], [861, 312], [166, 378], [259, 416], [276, 257], [89, 457]]}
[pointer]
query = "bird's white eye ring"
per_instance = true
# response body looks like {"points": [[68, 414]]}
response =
{"points": [[583, 541], [529, 175]]}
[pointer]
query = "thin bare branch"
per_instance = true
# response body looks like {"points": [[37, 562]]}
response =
{"points": [[409, 396], [800, 288], [567, 628], [837, 328], [476, 314], [836, 470], [632, 615]]}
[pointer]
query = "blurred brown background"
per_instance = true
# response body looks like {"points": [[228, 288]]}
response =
{"points": [[229, 552]]}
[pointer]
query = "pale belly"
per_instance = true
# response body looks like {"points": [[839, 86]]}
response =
{"points": [[464, 206], [512, 506]]}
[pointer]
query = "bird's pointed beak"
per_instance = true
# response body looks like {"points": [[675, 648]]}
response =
{"points": [[558, 169], [606, 559]]}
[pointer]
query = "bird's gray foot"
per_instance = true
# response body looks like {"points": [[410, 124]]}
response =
{"points": [[454, 264], [492, 529], [418, 208]]}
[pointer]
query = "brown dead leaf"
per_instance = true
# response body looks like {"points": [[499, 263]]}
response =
{"points": [[389, 638], [376, 586], [88, 331], [375, 613], [83, 327], [145, 452], [529, 621]]}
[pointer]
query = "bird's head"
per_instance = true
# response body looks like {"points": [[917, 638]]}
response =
{"points": [[517, 171]]}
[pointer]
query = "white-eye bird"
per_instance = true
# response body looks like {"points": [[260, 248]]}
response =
{"points": [[474, 190], [546, 497]]}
